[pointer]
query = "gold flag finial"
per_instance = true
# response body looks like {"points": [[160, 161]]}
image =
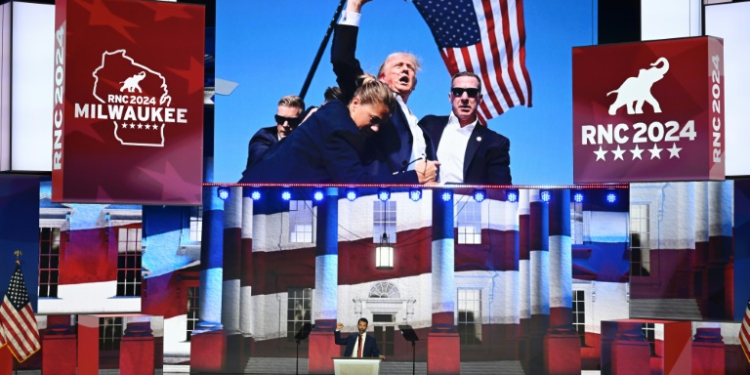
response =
{"points": [[18, 256]]}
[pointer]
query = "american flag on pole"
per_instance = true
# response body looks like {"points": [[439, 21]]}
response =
{"points": [[745, 332], [3, 342], [17, 319], [486, 37]]}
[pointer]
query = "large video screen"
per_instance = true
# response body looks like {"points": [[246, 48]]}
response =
{"points": [[89, 256], [267, 50], [687, 261], [511, 258], [728, 21]]}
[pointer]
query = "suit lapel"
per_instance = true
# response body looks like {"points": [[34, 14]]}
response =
{"points": [[475, 140], [273, 134], [401, 126], [402, 117]]}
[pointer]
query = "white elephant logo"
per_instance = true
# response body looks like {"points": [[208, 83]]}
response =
{"points": [[638, 89], [132, 83]]}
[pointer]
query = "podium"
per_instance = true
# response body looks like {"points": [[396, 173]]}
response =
{"points": [[356, 366]]}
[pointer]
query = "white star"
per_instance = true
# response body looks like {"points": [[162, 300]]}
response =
{"points": [[156, 127], [600, 154], [132, 126], [655, 152], [618, 153], [636, 153], [124, 126], [674, 152], [140, 126]]}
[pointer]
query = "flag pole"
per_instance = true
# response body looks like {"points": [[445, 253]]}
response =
{"points": [[18, 254], [321, 49]]}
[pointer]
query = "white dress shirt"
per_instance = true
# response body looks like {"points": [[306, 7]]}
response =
{"points": [[452, 150], [355, 352], [418, 145], [350, 18]]}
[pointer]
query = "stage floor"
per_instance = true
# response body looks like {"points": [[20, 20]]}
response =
{"points": [[287, 366]]}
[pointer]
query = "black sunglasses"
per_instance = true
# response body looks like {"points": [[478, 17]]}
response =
{"points": [[471, 92], [293, 121]]}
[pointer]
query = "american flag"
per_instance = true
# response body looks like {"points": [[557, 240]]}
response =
{"points": [[3, 342], [745, 332], [486, 37], [17, 319]]}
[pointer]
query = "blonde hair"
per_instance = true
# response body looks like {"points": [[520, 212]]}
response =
{"points": [[407, 54], [371, 91], [293, 101]]}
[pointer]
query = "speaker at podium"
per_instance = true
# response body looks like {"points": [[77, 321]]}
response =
{"points": [[356, 366]]}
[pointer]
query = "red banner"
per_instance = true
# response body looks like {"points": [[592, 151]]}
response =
{"points": [[649, 111], [128, 103]]}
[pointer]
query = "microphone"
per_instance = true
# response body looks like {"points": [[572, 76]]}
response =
{"points": [[406, 165], [411, 162]]}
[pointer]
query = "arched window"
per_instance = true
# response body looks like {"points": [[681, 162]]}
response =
{"points": [[384, 290]]}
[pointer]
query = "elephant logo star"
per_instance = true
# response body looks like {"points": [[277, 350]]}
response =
{"points": [[637, 90]]}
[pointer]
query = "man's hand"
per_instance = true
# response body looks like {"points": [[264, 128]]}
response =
{"points": [[339, 326], [426, 170], [382, 357], [356, 5]]}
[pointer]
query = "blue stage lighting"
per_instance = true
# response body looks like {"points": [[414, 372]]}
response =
{"points": [[578, 197], [223, 193], [286, 195], [384, 194], [479, 195], [545, 195], [415, 194], [318, 195], [351, 194], [512, 196], [447, 196], [611, 197], [255, 195]]}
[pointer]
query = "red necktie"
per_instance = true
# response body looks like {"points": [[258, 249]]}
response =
{"points": [[359, 346]]}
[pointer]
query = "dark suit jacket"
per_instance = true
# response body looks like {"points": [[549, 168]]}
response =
{"points": [[486, 161], [389, 150], [264, 139], [327, 148], [371, 345]]}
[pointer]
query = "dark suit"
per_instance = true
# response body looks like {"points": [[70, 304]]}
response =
{"points": [[327, 149], [390, 149], [487, 158], [264, 139], [370, 349]]}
